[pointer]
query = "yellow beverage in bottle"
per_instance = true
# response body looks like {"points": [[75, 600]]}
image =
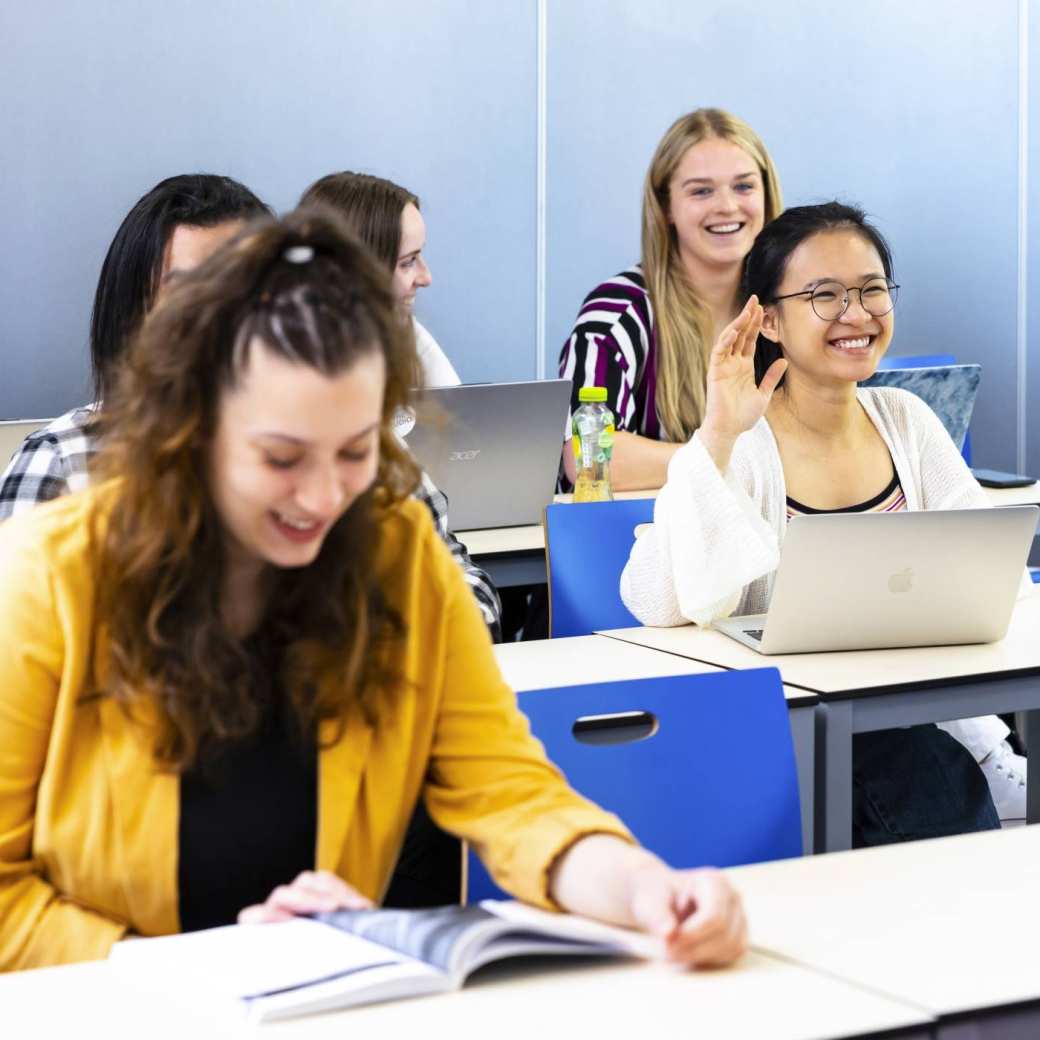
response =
{"points": [[592, 428]]}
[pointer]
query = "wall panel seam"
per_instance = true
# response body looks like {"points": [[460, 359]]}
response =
{"points": [[1022, 329], [540, 192]]}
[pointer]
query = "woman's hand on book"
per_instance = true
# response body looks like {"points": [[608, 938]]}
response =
{"points": [[734, 402], [697, 913], [313, 891]]}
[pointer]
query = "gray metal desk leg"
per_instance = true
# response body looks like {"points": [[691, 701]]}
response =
{"points": [[834, 776], [1033, 771], [803, 736]]}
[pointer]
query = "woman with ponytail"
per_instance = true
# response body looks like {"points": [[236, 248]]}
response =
{"points": [[646, 333], [231, 666]]}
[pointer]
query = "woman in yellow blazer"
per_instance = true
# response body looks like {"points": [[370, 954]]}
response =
{"points": [[230, 668]]}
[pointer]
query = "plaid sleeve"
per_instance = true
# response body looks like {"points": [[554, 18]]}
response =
{"points": [[479, 582], [36, 473]]}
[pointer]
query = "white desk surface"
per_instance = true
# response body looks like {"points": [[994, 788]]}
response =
{"points": [[544, 663], [492, 540], [948, 925], [764, 997], [531, 538], [1023, 496], [847, 671]]}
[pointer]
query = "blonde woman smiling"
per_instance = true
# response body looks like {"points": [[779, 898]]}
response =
{"points": [[646, 333]]}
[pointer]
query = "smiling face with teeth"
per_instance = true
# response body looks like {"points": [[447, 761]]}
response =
{"points": [[716, 204], [293, 450], [847, 349]]}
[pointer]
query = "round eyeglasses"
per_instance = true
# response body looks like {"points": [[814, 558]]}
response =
{"points": [[830, 300]]}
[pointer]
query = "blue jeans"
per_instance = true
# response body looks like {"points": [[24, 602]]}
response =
{"points": [[916, 783]]}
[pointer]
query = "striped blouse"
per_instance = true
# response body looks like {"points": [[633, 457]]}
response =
{"points": [[613, 345], [891, 500]]}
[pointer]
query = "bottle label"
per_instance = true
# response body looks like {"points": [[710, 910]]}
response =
{"points": [[591, 444]]}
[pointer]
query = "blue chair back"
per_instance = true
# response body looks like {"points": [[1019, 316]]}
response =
{"points": [[917, 361], [948, 389], [586, 549], [683, 791]]}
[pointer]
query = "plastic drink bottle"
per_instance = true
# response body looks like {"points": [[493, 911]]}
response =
{"points": [[592, 427]]}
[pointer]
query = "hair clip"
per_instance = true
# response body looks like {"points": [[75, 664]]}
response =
{"points": [[299, 254]]}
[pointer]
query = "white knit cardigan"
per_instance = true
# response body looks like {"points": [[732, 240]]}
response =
{"points": [[715, 541]]}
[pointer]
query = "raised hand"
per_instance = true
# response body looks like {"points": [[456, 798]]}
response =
{"points": [[734, 402]]}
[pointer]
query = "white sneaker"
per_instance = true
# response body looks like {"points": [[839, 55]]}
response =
{"points": [[1005, 773]]}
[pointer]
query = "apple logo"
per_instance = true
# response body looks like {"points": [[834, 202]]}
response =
{"points": [[901, 581]]}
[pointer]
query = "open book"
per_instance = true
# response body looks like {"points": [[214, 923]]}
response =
{"points": [[352, 957]]}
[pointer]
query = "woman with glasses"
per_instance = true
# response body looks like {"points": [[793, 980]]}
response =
{"points": [[787, 431], [232, 665], [646, 333]]}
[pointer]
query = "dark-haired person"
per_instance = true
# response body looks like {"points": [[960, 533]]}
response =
{"points": [[170, 230], [387, 219], [230, 667], [786, 431]]}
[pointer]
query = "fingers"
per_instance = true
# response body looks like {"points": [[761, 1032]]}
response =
{"points": [[773, 375], [713, 941], [261, 913], [323, 884], [739, 337], [697, 912], [752, 327], [311, 892], [714, 933], [724, 344]]}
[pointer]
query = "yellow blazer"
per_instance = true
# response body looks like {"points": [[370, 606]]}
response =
{"points": [[89, 825]]}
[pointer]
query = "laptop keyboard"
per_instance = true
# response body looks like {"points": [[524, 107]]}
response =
{"points": [[754, 633]]}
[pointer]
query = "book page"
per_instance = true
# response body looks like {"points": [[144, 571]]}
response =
{"points": [[456, 940], [579, 929], [434, 936], [248, 961]]}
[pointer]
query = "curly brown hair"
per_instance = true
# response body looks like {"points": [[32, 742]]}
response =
{"points": [[312, 294]]}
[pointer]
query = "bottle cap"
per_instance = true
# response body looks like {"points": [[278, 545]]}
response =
{"points": [[592, 393]]}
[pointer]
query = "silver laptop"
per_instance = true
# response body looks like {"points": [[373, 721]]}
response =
{"points": [[492, 448], [865, 581]]}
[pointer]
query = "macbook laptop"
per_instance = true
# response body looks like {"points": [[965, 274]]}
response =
{"points": [[864, 581], [492, 448]]}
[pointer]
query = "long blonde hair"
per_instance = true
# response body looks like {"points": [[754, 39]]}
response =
{"points": [[682, 321]]}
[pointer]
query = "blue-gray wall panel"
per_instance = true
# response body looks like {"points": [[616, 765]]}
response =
{"points": [[915, 120], [103, 100]]}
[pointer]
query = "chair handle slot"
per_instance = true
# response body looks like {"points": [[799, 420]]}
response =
{"points": [[618, 727]]}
